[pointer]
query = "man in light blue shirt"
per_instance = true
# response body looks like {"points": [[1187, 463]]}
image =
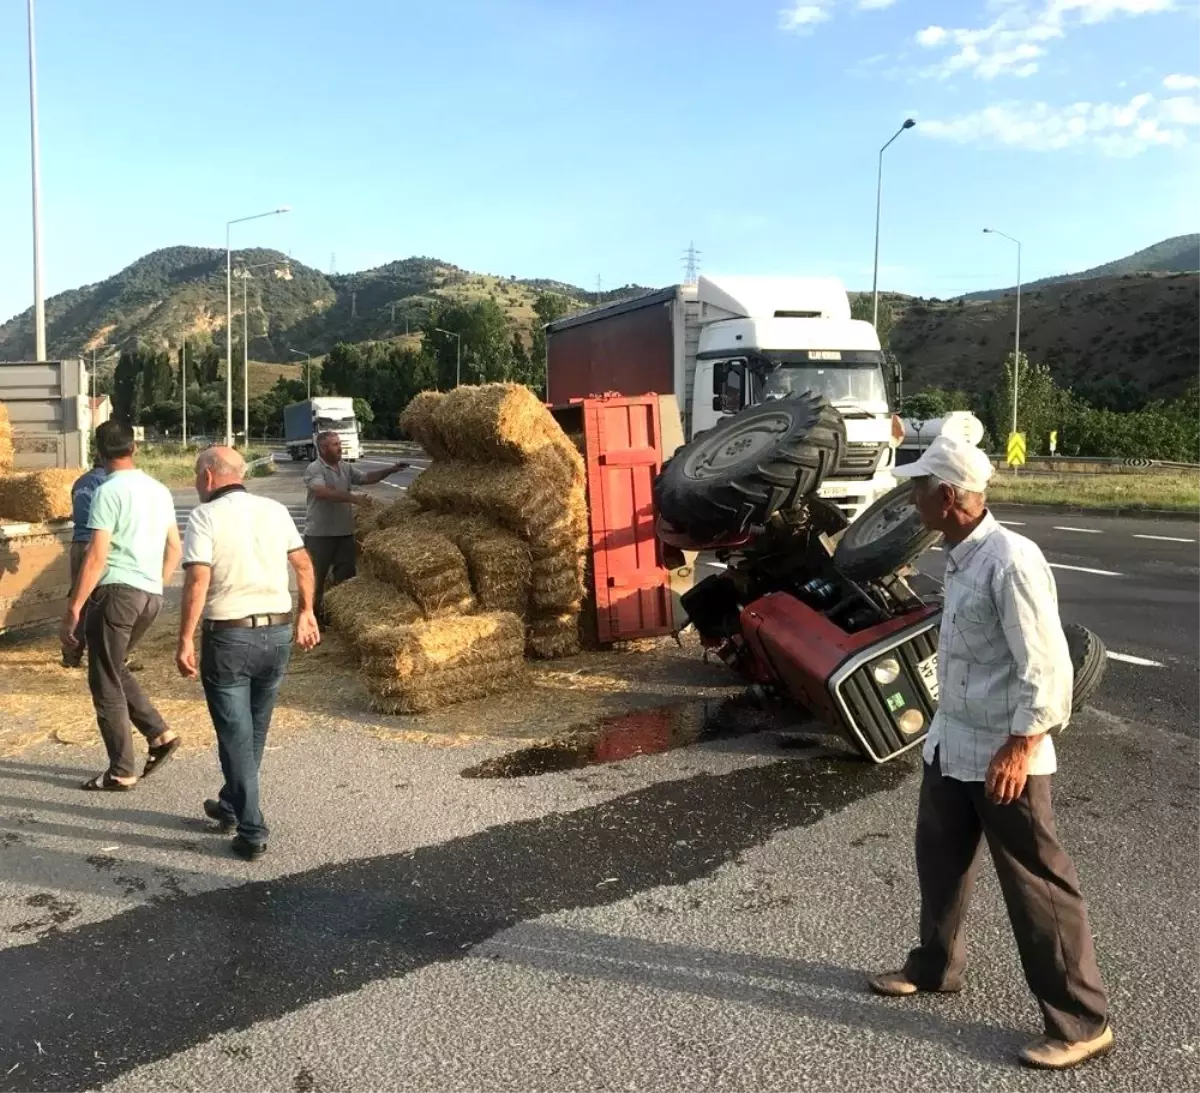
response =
{"points": [[134, 549]]}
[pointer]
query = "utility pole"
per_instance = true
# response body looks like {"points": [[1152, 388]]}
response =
{"points": [[39, 304], [246, 355], [1016, 376], [597, 290], [691, 260], [908, 124], [183, 386]]}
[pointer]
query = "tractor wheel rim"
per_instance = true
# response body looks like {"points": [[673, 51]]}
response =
{"points": [[888, 518], [742, 442]]}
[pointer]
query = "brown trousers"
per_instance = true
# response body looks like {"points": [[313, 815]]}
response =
{"points": [[1041, 891]]}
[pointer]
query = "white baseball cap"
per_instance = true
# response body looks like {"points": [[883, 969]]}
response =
{"points": [[953, 461]]}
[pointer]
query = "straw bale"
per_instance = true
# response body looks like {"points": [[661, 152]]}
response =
{"points": [[428, 567], [439, 689], [397, 513], [37, 495], [6, 441], [503, 421], [361, 608], [557, 582], [442, 645], [533, 500], [552, 636], [418, 422]]}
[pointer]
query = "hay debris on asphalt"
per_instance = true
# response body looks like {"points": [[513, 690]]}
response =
{"points": [[441, 645], [37, 496], [363, 608], [418, 422], [426, 566], [553, 636], [503, 421], [434, 692]]}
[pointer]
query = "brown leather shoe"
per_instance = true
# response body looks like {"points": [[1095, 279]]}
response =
{"points": [[892, 985], [1048, 1054]]}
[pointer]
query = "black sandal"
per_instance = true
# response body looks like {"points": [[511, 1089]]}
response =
{"points": [[160, 755], [107, 783]]}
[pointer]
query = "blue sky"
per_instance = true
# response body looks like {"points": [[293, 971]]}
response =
{"points": [[584, 138]]}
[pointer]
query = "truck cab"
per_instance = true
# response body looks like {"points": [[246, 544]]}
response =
{"points": [[304, 421], [768, 338]]}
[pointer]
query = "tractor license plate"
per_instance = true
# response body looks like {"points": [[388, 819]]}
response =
{"points": [[928, 670]]}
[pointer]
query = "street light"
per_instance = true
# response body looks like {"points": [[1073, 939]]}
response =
{"points": [[244, 271], [102, 360], [458, 360], [39, 304], [229, 316], [1017, 336], [307, 369], [908, 124]]}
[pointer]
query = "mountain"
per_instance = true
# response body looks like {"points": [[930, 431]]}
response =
{"points": [[1118, 340], [179, 292], [1180, 254]]}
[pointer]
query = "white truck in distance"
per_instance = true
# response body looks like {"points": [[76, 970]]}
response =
{"points": [[304, 421], [725, 343]]}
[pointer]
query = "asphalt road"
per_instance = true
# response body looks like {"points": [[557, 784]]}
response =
{"points": [[698, 919]]}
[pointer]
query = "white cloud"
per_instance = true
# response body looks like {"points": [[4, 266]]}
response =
{"points": [[803, 18], [1114, 129], [1181, 83], [1014, 42]]}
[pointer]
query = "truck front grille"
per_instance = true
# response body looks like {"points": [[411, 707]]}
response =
{"points": [[874, 709], [860, 460]]}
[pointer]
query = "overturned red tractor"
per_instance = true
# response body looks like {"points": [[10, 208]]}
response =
{"points": [[808, 609]]}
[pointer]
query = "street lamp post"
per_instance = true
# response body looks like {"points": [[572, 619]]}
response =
{"points": [[307, 369], [245, 279], [458, 356], [183, 388], [1016, 380], [908, 124], [39, 305], [102, 360], [229, 317]]}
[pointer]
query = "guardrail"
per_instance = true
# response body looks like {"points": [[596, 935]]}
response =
{"points": [[1068, 464], [254, 463]]}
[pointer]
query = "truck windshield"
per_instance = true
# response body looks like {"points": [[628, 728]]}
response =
{"points": [[336, 425], [836, 381]]}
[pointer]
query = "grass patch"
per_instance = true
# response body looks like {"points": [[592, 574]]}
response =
{"points": [[175, 467], [1175, 492]]}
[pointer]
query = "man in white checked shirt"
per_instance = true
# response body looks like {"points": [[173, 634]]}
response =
{"points": [[1004, 681]]}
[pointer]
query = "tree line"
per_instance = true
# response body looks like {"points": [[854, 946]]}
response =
{"points": [[1158, 429]]}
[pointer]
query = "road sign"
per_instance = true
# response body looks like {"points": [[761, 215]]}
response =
{"points": [[1053, 441], [1016, 449]]}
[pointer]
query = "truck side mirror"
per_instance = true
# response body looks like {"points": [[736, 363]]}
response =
{"points": [[733, 391], [720, 372]]}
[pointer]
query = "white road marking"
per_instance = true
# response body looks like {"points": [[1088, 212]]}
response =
{"points": [[1085, 569], [1082, 531], [385, 482], [938, 549], [716, 565], [1129, 658], [1165, 538], [1012, 523]]}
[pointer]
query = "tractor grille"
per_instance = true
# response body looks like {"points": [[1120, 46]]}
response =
{"points": [[874, 709], [860, 460]]}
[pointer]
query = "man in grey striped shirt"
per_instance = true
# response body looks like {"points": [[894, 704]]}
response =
{"points": [[1004, 681]]}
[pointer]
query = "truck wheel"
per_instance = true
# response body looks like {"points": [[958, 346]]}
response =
{"points": [[1089, 659], [887, 536], [745, 469]]}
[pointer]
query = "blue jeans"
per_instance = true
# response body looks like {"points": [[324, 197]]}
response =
{"points": [[241, 670]]}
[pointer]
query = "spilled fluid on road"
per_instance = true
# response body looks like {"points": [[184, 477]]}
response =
{"points": [[639, 732]]}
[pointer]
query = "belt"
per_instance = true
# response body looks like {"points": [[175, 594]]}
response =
{"points": [[250, 622]]}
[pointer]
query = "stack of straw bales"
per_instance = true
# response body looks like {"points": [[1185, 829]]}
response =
{"points": [[6, 441], [480, 564], [37, 495]]}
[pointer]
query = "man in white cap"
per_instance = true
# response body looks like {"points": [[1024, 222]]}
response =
{"points": [[1004, 681]]}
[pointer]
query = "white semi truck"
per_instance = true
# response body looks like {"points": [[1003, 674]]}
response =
{"points": [[725, 343], [304, 421]]}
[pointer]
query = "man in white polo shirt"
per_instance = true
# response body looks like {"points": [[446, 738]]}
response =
{"points": [[236, 553]]}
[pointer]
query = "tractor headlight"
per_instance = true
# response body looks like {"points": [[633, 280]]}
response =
{"points": [[911, 722], [886, 672]]}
